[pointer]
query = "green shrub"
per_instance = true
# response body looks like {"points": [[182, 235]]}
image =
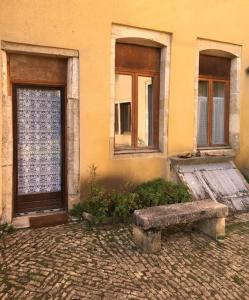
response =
{"points": [[6, 228], [98, 206], [160, 192], [77, 211], [123, 204], [97, 201], [120, 204]]}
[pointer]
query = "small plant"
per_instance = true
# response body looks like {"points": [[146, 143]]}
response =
{"points": [[93, 188], [98, 206], [96, 202], [6, 229], [77, 211], [238, 280]]}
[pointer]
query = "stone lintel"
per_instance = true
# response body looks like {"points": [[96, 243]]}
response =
{"points": [[175, 160], [22, 48]]}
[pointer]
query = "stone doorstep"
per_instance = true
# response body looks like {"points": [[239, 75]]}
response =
{"points": [[162, 216], [24, 220]]}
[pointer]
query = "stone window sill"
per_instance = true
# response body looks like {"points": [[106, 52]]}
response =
{"points": [[217, 151], [133, 153]]}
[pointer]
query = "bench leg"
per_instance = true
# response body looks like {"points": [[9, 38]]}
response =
{"points": [[148, 240], [214, 228]]}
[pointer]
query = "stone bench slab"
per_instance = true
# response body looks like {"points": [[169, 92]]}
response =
{"points": [[162, 216]]}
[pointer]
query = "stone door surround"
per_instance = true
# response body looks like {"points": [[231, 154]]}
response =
{"points": [[72, 115]]}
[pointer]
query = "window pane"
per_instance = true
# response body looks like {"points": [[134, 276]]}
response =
{"points": [[123, 106], [116, 118], [218, 122], [202, 137], [145, 112], [125, 117]]}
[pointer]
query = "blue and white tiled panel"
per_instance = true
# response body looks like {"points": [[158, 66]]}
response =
{"points": [[39, 140]]}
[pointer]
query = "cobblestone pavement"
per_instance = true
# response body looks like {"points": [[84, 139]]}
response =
{"points": [[75, 262]]}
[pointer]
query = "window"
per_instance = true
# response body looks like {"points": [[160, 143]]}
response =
{"points": [[136, 97], [213, 101]]}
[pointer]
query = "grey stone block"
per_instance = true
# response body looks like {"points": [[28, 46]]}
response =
{"points": [[208, 215], [214, 228], [165, 215], [149, 240]]}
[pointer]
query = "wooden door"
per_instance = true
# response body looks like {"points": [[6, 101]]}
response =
{"points": [[39, 148]]}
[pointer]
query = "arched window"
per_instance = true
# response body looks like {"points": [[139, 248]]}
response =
{"points": [[137, 72], [140, 66]]}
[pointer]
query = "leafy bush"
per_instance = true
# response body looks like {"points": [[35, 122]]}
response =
{"points": [[77, 211], [6, 228], [123, 204], [98, 206], [160, 192], [96, 202], [120, 204]]}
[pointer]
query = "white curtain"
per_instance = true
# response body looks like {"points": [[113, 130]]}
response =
{"points": [[202, 113], [218, 136]]}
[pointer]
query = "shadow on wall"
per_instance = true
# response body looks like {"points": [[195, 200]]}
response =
{"points": [[109, 182], [122, 181]]}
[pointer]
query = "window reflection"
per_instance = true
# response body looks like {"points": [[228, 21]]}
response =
{"points": [[202, 113], [145, 112], [123, 98]]}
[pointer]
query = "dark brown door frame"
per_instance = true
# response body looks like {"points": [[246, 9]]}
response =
{"points": [[45, 197]]}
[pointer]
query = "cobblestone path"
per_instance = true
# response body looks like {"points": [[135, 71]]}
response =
{"points": [[75, 262]]}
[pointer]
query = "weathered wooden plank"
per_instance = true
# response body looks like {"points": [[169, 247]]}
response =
{"points": [[221, 182], [195, 187], [210, 167]]}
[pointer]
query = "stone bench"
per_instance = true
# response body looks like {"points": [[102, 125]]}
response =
{"points": [[208, 215]]}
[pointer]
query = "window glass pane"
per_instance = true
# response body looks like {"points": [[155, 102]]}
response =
{"points": [[116, 118], [202, 138], [218, 117], [123, 106], [145, 112], [125, 117]]}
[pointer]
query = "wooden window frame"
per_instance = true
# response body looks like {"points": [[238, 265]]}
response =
{"points": [[135, 73], [211, 80]]}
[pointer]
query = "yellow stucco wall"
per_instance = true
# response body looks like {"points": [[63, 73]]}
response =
{"points": [[86, 25]]}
